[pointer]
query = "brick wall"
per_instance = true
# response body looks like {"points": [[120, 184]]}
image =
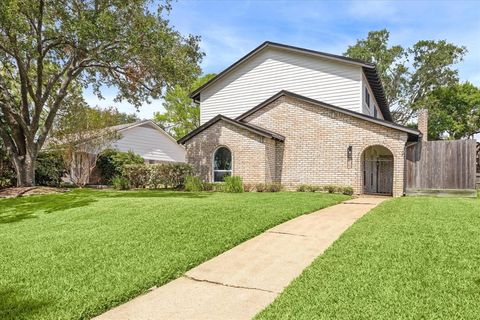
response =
{"points": [[314, 150], [315, 147], [250, 159]]}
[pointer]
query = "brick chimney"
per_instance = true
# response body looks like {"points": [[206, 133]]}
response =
{"points": [[423, 123]]}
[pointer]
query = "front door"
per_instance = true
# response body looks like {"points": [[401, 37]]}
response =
{"points": [[378, 176]]}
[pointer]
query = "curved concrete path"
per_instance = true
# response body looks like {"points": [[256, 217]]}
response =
{"points": [[242, 281]]}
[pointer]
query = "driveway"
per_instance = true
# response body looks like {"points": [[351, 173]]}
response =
{"points": [[244, 280]]}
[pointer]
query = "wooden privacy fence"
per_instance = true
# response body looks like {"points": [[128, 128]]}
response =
{"points": [[478, 165], [440, 165]]}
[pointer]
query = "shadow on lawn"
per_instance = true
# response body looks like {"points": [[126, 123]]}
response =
{"points": [[14, 305], [14, 210], [158, 194], [18, 209]]}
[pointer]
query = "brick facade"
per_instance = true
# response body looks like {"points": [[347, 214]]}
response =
{"points": [[253, 156], [314, 150]]}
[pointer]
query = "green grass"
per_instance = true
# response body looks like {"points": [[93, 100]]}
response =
{"points": [[410, 258], [75, 255]]}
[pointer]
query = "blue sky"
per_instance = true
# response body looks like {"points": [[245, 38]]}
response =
{"points": [[230, 29]]}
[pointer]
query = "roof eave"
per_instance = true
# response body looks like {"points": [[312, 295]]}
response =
{"points": [[257, 130]]}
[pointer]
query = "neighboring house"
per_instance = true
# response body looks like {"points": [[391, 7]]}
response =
{"points": [[144, 138], [296, 116], [149, 141]]}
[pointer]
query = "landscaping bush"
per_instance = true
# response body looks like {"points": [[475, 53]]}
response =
{"points": [[137, 174], [218, 186], [260, 187], [233, 184], [207, 186], [331, 188], [111, 163], [120, 183], [347, 190], [268, 187], [156, 175], [309, 188], [273, 187], [248, 187], [49, 169], [193, 184]]}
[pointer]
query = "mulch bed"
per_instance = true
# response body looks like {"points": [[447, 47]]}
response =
{"points": [[28, 191]]}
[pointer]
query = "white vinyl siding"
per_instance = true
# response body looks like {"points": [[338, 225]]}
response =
{"points": [[151, 144], [272, 70], [369, 109]]}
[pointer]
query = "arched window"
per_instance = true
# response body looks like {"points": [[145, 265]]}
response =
{"points": [[222, 164]]}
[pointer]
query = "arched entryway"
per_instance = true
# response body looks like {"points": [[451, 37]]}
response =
{"points": [[377, 167]]}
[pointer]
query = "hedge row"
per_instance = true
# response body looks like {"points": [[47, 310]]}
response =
{"points": [[330, 188], [156, 175]]}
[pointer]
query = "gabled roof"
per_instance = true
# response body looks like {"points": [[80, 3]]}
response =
{"points": [[410, 131], [368, 68], [247, 126], [128, 126]]}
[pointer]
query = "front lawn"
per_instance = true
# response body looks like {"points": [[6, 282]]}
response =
{"points": [[75, 255], [410, 258]]}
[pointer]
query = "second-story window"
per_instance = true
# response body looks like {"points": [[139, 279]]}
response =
{"points": [[375, 111], [367, 97]]}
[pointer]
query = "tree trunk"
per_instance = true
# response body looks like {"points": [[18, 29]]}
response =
{"points": [[25, 169]]}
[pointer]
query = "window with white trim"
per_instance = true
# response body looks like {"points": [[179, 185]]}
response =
{"points": [[222, 164]]}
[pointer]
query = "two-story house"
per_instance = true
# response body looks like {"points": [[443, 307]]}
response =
{"points": [[296, 116]]}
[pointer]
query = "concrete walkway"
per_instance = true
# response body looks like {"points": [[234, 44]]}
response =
{"points": [[244, 280]]}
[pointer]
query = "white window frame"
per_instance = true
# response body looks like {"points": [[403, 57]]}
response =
{"points": [[213, 162]]}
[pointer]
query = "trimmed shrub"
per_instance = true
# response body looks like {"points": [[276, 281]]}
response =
{"points": [[120, 183], [309, 188], [248, 187], [137, 174], [268, 187], [273, 187], [260, 187], [49, 169], [331, 188], [218, 186], [193, 184], [233, 184], [111, 162], [208, 186], [347, 190], [302, 188], [157, 175]]}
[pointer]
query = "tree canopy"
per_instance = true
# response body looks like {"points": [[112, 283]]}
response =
{"points": [[454, 112], [181, 115], [409, 74], [51, 50]]}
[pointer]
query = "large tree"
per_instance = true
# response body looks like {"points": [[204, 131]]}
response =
{"points": [[409, 74], [182, 114], [454, 112], [48, 47]]}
